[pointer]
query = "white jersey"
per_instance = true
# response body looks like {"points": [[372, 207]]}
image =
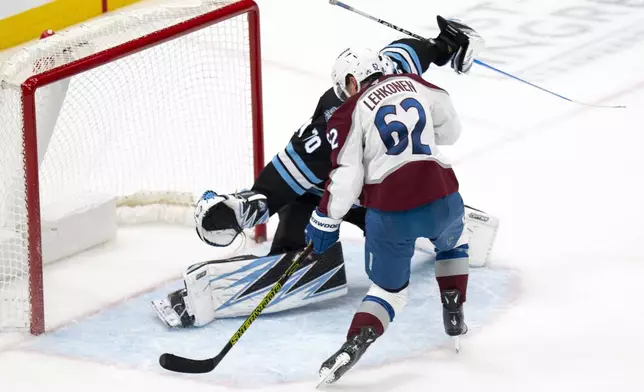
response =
{"points": [[384, 147]]}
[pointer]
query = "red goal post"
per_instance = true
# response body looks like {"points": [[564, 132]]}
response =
{"points": [[123, 127]]}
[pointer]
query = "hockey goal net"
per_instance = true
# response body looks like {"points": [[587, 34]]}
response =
{"points": [[127, 117]]}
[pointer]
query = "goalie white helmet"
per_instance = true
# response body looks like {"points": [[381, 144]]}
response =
{"points": [[388, 66], [361, 63]]}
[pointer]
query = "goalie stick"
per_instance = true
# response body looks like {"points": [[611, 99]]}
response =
{"points": [[479, 62], [180, 364]]}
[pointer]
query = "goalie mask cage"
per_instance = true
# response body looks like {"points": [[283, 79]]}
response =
{"points": [[146, 108]]}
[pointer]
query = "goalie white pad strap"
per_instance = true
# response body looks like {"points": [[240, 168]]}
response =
{"points": [[199, 301], [234, 287]]}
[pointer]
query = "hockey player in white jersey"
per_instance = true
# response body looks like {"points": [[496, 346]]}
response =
{"points": [[385, 140]]}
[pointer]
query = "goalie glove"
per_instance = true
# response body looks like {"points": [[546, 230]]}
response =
{"points": [[220, 218], [463, 41]]}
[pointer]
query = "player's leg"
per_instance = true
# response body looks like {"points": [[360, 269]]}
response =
{"points": [[388, 252], [293, 219], [452, 264], [356, 216]]}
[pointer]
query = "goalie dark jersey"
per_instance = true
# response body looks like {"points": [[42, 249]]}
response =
{"points": [[293, 181]]}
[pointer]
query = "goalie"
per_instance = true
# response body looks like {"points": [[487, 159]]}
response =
{"points": [[291, 185]]}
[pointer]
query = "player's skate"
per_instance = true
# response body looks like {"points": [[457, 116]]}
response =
{"points": [[172, 310], [348, 355], [453, 317]]}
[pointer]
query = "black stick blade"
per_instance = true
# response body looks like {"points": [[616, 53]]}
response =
{"points": [[179, 364]]}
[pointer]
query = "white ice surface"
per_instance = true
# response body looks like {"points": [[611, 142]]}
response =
{"points": [[565, 180]]}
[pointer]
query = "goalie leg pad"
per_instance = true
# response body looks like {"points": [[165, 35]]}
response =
{"points": [[234, 287], [198, 299], [239, 291], [482, 229]]}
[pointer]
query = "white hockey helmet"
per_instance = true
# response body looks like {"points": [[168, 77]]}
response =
{"points": [[388, 66], [359, 62]]}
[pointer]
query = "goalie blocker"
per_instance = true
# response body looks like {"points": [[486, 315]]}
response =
{"points": [[234, 287]]}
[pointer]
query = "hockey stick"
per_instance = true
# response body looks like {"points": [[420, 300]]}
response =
{"points": [[479, 62], [176, 363]]}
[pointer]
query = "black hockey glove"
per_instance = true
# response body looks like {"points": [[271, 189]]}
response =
{"points": [[463, 41]]}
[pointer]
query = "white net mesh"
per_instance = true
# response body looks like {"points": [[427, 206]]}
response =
{"points": [[151, 128]]}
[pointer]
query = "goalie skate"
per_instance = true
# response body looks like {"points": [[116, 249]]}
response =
{"points": [[348, 355], [172, 310]]}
